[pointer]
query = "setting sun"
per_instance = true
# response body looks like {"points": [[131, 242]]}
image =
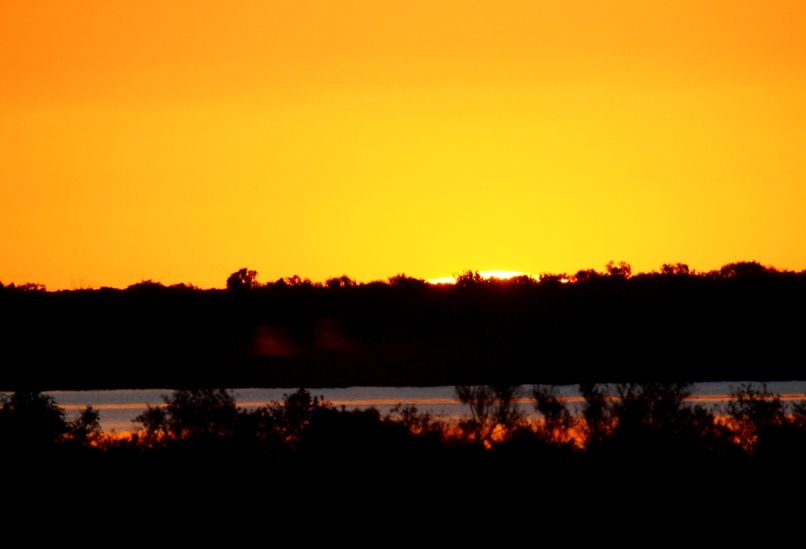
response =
{"points": [[502, 275], [493, 274]]}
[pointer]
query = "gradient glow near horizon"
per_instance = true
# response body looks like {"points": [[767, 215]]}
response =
{"points": [[179, 141]]}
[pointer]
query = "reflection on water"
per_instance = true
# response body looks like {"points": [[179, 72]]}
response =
{"points": [[119, 407]]}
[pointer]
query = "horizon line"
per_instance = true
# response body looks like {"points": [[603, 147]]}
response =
{"points": [[613, 269]]}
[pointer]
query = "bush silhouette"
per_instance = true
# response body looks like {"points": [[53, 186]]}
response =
{"points": [[242, 279], [494, 411], [191, 413], [30, 420], [755, 413], [557, 419]]}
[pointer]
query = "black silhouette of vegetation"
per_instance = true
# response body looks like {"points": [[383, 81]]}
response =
{"points": [[741, 322], [637, 432], [243, 279], [33, 426], [493, 411]]}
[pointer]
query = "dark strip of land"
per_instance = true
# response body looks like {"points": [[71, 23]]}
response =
{"points": [[742, 322]]}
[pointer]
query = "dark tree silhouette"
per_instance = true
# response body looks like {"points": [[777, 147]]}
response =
{"points": [[404, 281], [586, 275], [619, 270], [30, 287], [343, 281], [593, 327], [650, 406], [31, 420], [296, 412], [596, 413], [553, 280], [146, 285], [557, 419], [755, 412], [154, 422], [745, 270], [676, 269], [468, 279], [192, 413], [415, 421], [86, 427], [494, 411], [242, 279], [799, 414]]}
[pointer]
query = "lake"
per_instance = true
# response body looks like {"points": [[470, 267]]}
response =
{"points": [[119, 407]]}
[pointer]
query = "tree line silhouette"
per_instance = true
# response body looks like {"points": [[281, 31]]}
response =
{"points": [[743, 321], [648, 427]]}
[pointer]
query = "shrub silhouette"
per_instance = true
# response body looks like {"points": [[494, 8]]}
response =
{"points": [[650, 407], [597, 414], [416, 422], [191, 413], [343, 281], [295, 413], [86, 428], [557, 419], [494, 411], [242, 279], [756, 413], [30, 420]]}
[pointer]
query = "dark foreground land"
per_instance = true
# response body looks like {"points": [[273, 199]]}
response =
{"points": [[644, 459], [741, 322], [649, 448]]}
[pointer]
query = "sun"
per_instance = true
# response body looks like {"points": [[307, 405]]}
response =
{"points": [[497, 274], [502, 275]]}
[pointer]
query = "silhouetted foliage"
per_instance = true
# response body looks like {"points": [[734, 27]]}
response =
{"points": [[799, 414], [653, 406], [596, 413], [146, 285], [296, 412], [553, 280], [343, 281], [242, 279], [619, 270], [745, 270], [586, 275], [29, 287], [755, 413], [154, 421], [403, 281], [557, 419], [192, 413], [415, 421], [676, 269], [589, 327], [30, 420], [494, 411], [296, 280], [652, 419], [86, 428], [646, 432], [469, 279]]}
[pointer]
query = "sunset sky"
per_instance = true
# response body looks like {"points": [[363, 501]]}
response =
{"points": [[181, 140]]}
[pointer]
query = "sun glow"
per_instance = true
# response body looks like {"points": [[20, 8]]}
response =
{"points": [[144, 140], [496, 274], [442, 280], [502, 275]]}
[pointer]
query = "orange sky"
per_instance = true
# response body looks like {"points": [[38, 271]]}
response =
{"points": [[180, 140]]}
